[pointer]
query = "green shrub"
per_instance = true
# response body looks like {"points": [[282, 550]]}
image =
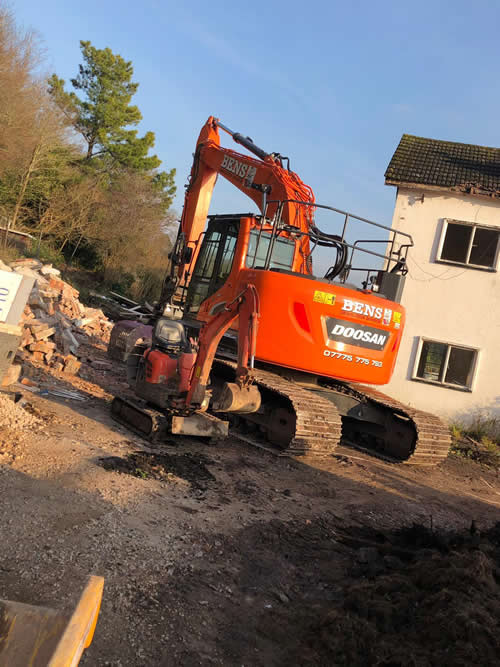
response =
{"points": [[479, 440], [120, 282], [46, 254], [483, 425]]}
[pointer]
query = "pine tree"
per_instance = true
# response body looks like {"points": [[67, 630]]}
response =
{"points": [[105, 117]]}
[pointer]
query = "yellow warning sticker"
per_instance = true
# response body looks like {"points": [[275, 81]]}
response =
{"points": [[324, 297], [396, 317]]}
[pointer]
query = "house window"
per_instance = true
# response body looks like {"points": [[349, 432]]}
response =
{"points": [[469, 244], [445, 364]]}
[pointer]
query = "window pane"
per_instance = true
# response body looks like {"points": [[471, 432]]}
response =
{"points": [[431, 361], [484, 247], [460, 367], [205, 263], [456, 243], [226, 263], [198, 295], [199, 285], [282, 257]]}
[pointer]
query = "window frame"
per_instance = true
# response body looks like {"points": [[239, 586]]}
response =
{"points": [[450, 345], [211, 280], [473, 226]]}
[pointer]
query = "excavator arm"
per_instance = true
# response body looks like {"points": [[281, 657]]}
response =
{"points": [[272, 187], [240, 396]]}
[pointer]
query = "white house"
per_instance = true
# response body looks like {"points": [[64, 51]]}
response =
{"points": [[448, 199]]}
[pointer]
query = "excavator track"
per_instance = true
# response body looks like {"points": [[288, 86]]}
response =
{"points": [[425, 439], [433, 438], [317, 426], [147, 422]]}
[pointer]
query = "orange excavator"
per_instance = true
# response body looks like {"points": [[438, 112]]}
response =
{"points": [[245, 332]]}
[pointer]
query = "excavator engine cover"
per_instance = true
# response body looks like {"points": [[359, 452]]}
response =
{"points": [[171, 370]]}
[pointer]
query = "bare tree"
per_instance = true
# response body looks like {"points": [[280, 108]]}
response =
{"points": [[33, 132]]}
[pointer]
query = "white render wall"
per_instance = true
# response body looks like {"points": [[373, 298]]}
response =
{"points": [[447, 303]]}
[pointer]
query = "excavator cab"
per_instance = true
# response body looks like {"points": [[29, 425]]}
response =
{"points": [[214, 260], [218, 248]]}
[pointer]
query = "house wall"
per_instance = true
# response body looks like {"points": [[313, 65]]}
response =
{"points": [[447, 303]]}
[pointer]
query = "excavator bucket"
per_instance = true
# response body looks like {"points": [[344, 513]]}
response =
{"points": [[45, 637], [124, 337]]}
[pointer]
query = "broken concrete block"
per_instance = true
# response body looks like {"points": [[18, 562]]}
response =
{"points": [[35, 299], [44, 333], [71, 365], [28, 262], [70, 338], [62, 343], [84, 321], [63, 319], [49, 270], [42, 346], [48, 293], [12, 375], [25, 271]]}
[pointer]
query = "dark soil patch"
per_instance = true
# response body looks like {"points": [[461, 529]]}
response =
{"points": [[323, 594], [191, 467], [420, 598]]}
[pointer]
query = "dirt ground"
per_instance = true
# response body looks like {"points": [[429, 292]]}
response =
{"points": [[226, 555]]}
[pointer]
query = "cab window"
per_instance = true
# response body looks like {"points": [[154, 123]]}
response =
{"points": [[281, 258], [214, 263]]}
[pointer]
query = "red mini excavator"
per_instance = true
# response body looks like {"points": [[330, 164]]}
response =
{"points": [[245, 331]]}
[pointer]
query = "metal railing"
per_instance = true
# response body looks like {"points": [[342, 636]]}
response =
{"points": [[397, 243]]}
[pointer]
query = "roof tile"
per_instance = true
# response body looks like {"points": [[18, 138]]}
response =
{"points": [[446, 164]]}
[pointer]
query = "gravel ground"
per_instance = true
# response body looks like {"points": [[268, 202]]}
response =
{"points": [[211, 554]]}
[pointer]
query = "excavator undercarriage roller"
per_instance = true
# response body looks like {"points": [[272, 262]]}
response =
{"points": [[313, 419]]}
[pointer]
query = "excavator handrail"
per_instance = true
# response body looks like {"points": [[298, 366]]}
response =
{"points": [[346, 213], [395, 260]]}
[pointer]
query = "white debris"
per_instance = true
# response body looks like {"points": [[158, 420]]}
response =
{"points": [[49, 270]]}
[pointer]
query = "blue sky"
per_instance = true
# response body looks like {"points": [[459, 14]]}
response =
{"points": [[332, 84]]}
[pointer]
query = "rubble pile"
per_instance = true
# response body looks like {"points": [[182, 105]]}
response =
{"points": [[55, 323], [14, 417]]}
